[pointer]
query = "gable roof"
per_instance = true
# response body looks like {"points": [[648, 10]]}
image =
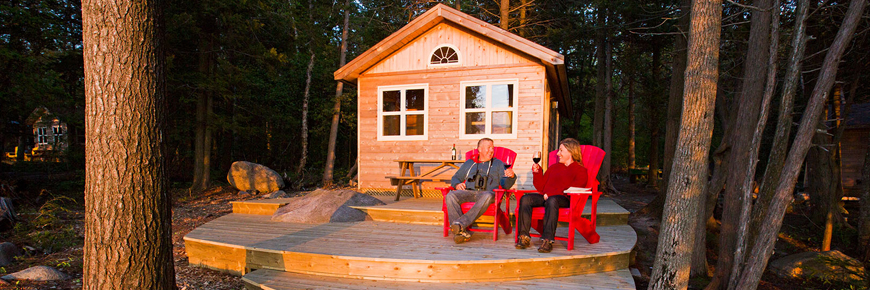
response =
{"points": [[553, 61]]}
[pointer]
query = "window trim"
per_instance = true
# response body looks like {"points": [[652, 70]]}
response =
{"points": [[435, 65], [42, 135], [402, 112], [488, 110]]}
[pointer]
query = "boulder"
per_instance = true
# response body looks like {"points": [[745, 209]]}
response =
{"points": [[322, 206], [248, 176], [277, 194], [8, 251], [38, 273], [831, 266]]}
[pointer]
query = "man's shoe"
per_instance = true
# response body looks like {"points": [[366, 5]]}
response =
{"points": [[546, 246], [461, 237], [523, 242], [456, 228]]}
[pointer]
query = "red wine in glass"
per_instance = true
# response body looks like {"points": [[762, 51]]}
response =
{"points": [[507, 163], [537, 157]]}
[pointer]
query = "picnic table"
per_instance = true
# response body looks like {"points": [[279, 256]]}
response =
{"points": [[407, 165]]}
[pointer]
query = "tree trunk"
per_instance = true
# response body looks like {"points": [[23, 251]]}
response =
{"points": [[523, 20], [631, 132], [652, 177], [304, 156], [779, 148], [771, 224], [336, 110], [864, 220], [686, 188], [755, 144], [202, 132], [748, 105], [504, 9], [598, 120], [607, 134], [457, 4], [128, 225]]}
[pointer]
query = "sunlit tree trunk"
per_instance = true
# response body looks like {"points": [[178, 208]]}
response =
{"points": [[504, 9], [682, 204], [748, 106], [763, 247], [336, 110], [128, 225]]}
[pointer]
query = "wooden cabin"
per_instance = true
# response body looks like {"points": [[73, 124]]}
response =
{"points": [[853, 148], [448, 78]]}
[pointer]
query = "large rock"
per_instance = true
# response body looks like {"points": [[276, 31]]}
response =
{"points": [[832, 266], [8, 251], [323, 206], [38, 273], [247, 176]]}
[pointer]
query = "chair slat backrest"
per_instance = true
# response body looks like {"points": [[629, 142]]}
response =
{"points": [[592, 158], [502, 153]]}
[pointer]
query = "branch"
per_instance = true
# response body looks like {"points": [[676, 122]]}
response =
{"points": [[748, 6]]}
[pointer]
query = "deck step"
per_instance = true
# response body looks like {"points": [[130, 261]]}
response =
{"points": [[239, 243], [276, 280], [425, 211]]}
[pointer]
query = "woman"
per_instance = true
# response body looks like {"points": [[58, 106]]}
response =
{"points": [[569, 172]]}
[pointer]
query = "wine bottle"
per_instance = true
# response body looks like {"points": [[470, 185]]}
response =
{"points": [[453, 152]]}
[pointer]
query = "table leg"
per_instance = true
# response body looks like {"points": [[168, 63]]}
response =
{"points": [[415, 185], [400, 183]]}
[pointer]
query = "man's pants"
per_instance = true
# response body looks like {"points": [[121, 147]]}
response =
{"points": [[551, 213], [455, 199]]}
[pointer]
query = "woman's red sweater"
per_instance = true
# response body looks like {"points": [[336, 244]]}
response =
{"points": [[559, 178]]}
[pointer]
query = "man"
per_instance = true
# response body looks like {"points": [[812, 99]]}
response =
{"points": [[475, 182]]}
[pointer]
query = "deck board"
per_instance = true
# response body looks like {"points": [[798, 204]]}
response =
{"points": [[393, 251], [277, 280]]}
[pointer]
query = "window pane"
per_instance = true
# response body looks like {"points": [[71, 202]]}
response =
{"points": [[502, 122], [503, 96], [392, 100], [414, 100], [475, 97], [391, 125], [475, 123], [414, 125]]}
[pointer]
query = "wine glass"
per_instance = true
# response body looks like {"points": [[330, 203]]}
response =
{"points": [[507, 163], [536, 157]]}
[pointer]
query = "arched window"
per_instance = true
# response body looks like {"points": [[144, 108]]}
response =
{"points": [[444, 55]]}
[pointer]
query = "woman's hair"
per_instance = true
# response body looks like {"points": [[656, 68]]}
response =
{"points": [[573, 146]]}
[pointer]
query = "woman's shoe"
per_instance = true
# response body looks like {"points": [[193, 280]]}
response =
{"points": [[523, 242], [546, 246]]}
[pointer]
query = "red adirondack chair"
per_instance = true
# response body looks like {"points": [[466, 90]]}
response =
{"points": [[592, 157], [495, 210]]}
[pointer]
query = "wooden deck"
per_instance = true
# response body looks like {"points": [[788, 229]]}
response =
{"points": [[425, 211], [277, 280], [374, 250]]}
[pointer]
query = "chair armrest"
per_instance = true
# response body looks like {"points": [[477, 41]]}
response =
{"points": [[445, 190], [580, 193]]}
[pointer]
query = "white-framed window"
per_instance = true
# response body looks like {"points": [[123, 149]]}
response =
{"points": [[58, 132], [403, 112], [444, 55], [42, 135], [488, 109]]}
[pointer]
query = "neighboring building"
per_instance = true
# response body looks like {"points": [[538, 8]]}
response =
{"points": [[449, 78], [50, 136], [853, 148]]}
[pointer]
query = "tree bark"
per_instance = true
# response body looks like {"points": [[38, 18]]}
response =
{"points": [[784, 121], [631, 132], [504, 9], [772, 222], [128, 225], [202, 132], [607, 134], [755, 144], [304, 156], [653, 103], [598, 120], [336, 110], [864, 220], [674, 251], [748, 105]]}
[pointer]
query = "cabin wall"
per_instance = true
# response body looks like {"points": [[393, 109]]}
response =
{"points": [[474, 51], [853, 147], [376, 158]]}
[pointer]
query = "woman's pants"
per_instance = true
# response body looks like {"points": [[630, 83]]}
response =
{"points": [[551, 213]]}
